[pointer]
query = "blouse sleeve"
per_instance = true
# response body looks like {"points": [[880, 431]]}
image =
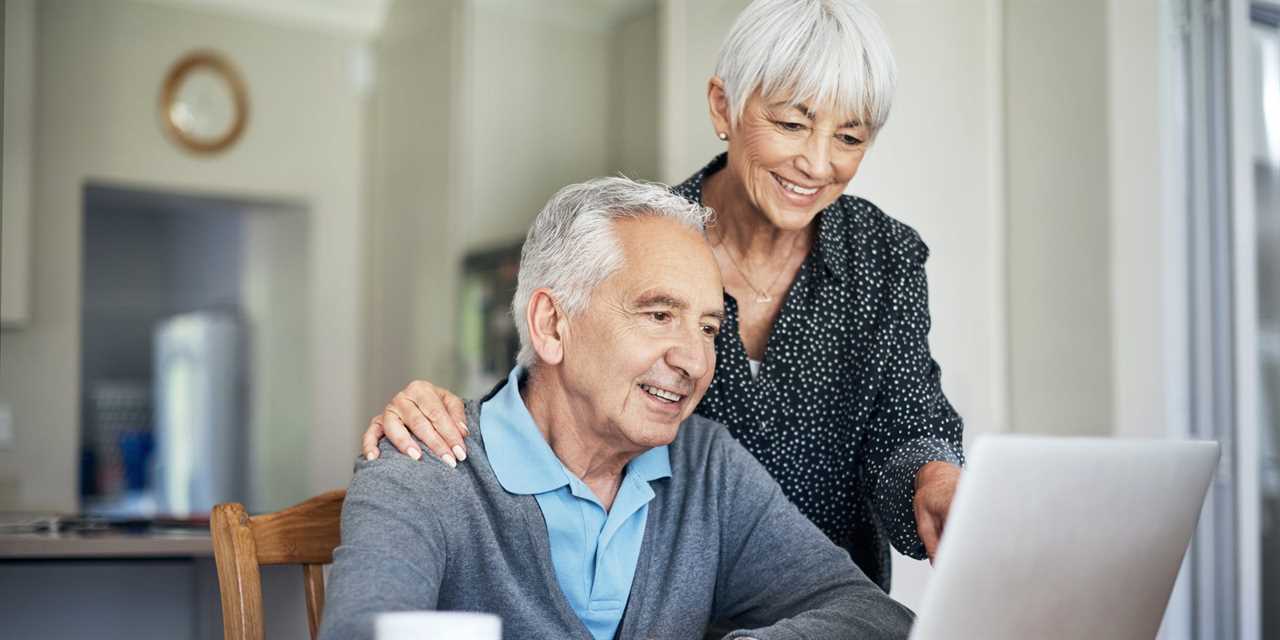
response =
{"points": [[912, 422]]}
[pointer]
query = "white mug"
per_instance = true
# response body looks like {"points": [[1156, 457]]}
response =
{"points": [[437, 625]]}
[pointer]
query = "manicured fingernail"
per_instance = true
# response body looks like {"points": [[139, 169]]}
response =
{"points": [[460, 452], [448, 459], [463, 426], [371, 454], [414, 453]]}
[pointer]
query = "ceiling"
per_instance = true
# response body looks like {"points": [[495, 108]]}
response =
{"points": [[366, 17], [358, 17]]}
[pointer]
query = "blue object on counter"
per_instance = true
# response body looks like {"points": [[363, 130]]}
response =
{"points": [[135, 454], [88, 472]]}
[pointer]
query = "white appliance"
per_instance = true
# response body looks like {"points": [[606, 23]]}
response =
{"points": [[200, 454]]}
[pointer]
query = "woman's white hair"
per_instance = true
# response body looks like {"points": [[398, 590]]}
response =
{"points": [[571, 247], [827, 53]]}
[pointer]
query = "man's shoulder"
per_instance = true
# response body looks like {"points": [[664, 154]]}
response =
{"points": [[426, 482], [713, 475], [698, 431]]}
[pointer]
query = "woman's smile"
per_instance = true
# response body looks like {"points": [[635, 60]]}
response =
{"points": [[796, 194]]}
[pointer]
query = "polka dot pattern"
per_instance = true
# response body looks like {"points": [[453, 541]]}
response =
{"points": [[848, 404]]}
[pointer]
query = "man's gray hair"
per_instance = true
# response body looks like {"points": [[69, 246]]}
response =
{"points": [[571, 247], [827, 53]]}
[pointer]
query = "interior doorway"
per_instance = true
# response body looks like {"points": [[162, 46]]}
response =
{"points": [[195, 366]]}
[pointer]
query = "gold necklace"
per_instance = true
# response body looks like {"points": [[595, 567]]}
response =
{"points": [[762, 295]]}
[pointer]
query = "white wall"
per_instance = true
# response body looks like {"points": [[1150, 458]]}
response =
{"points": [[415, 136], [483, 109], [100, 66], [692, 31], [634, 96], [274, 290], [19, 83], [1147, 221], [1097, 264], [1059, 217], [538, 103]]}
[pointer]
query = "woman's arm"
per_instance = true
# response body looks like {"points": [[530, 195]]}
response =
{"points": [[431, 413], [913, 424]]}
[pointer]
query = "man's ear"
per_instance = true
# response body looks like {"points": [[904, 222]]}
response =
{"points": [[547, 327], [718, 104]]}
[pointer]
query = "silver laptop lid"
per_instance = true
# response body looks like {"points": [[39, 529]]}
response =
{"points": [[1054, 538]]}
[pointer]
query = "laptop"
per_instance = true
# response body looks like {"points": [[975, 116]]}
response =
{"points": [[1054, 538]]}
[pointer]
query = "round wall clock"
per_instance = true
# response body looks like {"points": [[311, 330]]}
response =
{"points": [[204, 103]]}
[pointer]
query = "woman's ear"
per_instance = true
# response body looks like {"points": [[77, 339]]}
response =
{"points": [[718, 104], [547, 326]]}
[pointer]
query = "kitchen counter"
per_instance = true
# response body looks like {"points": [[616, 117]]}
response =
{"points": [[156, 584], [107, 545]]}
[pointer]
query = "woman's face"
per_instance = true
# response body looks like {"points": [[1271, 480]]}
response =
{"points": [[792, 161]]}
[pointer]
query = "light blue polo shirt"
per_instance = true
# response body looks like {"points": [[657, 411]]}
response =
{"points": [[594, 552]]}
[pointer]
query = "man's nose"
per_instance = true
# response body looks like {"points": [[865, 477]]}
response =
{"points": [[689, 357]]}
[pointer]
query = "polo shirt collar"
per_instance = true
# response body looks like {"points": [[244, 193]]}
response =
{"points": [[651, 465], [524, 462]]}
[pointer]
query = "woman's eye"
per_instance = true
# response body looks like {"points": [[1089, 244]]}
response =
{"points": [[790, 126], [849, 140], [710, 330]]}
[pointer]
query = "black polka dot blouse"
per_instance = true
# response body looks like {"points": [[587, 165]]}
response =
{"points": [[847, 405]]}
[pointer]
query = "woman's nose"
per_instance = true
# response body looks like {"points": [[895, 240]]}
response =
{"points": [[815, 161]]}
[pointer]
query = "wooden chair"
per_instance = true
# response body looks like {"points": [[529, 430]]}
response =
{"points": [[304, 534]]}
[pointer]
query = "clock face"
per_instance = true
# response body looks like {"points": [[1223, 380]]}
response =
{"points": [[204, 103]]}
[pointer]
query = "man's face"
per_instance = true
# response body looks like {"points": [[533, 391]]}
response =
{"points": [[640, 356]]}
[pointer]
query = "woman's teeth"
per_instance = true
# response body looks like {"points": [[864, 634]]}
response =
{"points": [[662, 393], [795, 188]]}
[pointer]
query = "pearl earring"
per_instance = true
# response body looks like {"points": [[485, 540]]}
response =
{"points": [[722, 135]]}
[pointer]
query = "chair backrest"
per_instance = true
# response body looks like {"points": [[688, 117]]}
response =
{"points": [[304, 534]]}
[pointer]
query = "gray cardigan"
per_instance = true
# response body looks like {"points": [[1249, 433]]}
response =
{"points": [[722, 544]]}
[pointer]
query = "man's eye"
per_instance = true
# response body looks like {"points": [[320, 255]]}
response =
{"points": [[710, 330], [660, 316]]}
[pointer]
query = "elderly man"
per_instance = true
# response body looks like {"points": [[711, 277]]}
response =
{"points": [[594, 505]]}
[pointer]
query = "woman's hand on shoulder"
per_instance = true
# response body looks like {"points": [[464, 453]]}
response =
{"points": [[433, 414]]}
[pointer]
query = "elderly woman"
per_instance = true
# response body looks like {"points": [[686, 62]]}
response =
{"points": [[823, 370]]}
